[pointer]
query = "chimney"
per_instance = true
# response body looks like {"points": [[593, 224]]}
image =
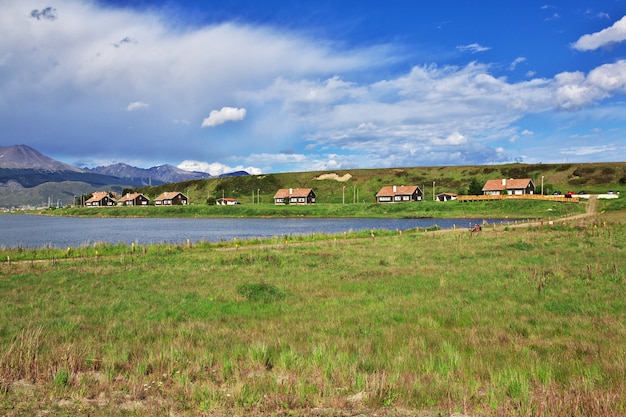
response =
{"points": [[504, 182], [290, 191], [395, 188]]}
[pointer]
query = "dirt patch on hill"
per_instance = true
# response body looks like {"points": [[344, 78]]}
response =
{"points": [[335, 177]]}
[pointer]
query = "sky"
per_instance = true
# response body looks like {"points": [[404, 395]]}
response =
{"points": [[277, 86]]}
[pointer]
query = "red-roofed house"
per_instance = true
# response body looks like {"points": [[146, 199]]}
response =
{"points": [[446, 196], [134, 199], [399, 193], [101, 198], [511, 186], [226, 201], [173, 198], [294, 196]]}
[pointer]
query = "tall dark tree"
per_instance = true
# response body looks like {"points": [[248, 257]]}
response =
{"points": [[475, 187]]}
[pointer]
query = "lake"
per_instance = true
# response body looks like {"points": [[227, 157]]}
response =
{"points": [[30, 231]]}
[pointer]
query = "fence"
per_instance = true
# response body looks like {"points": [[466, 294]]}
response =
{"points": [[560, 198]]}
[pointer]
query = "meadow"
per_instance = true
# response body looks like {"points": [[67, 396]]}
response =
{"points": [[510, 321]]}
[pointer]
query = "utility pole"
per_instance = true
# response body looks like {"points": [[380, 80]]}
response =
{"points": [[433, 190]]}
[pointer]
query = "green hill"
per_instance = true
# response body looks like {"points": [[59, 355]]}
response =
{"points": [[362, 184]]}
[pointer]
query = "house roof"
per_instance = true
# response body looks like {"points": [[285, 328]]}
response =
{"points": [[168, 195], [504, 184], [130, 197], [399, 190], [293, 192], [227, 199], [450, 194], [97, 196]]}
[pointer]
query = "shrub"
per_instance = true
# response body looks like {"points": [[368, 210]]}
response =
{"points": [[265, 293], [62, 378]]}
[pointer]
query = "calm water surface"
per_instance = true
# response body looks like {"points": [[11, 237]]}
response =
{"points": [[37, 231]]}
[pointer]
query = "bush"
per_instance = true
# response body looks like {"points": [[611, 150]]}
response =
{"points": [[62, 378], [265, 293]]}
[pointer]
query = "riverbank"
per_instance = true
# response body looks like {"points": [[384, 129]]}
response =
{"points": [[503, 209]]}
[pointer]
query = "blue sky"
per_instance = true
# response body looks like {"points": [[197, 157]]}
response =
{"points": [[279, 86]]}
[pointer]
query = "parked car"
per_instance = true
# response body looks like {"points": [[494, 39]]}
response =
{"points": [[569, 194], [611, 192], [582, 192], [556, 193]]}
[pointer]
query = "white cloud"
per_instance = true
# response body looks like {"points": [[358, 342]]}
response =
{"points": [[473, 48], [137, 105], [318, 98], [516, 62], [575, 90], [225, 114], [588, 150], [216, 168], [605, 37], [453, 139]]}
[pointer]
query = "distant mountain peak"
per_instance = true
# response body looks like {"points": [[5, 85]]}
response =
{"points": [[23, 156], [155, 175]]}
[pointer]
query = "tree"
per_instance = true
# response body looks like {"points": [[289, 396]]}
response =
{"points": [[475, 187]]}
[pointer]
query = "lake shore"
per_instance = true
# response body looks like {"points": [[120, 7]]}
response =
{"points": [[503, 209]]}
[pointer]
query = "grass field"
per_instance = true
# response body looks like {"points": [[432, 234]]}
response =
{"points": [[511, 321]]}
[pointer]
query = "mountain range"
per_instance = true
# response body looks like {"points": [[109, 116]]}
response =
{"points": [[29, 178]]}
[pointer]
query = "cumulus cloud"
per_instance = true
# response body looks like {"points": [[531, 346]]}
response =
{"points": [[454, 138], [605, 37], [223, 115], [216, 168], [473, 48], [137, 105], [323, 100], [575, 90]]}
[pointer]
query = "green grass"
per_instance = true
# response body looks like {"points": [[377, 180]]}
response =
{"points": [[507, 322], [429, 209]]}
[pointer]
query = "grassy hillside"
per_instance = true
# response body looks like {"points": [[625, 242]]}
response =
{"points": [[362, 184]]}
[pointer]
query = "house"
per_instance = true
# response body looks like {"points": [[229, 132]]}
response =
{"points": [[294, 196], [226, 201], [446, 196], [134, 199], [101, 198], [173, 198], [399, 193], [511, 186]]}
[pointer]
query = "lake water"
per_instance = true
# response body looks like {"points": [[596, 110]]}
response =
{"points": [[38, 231]]}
